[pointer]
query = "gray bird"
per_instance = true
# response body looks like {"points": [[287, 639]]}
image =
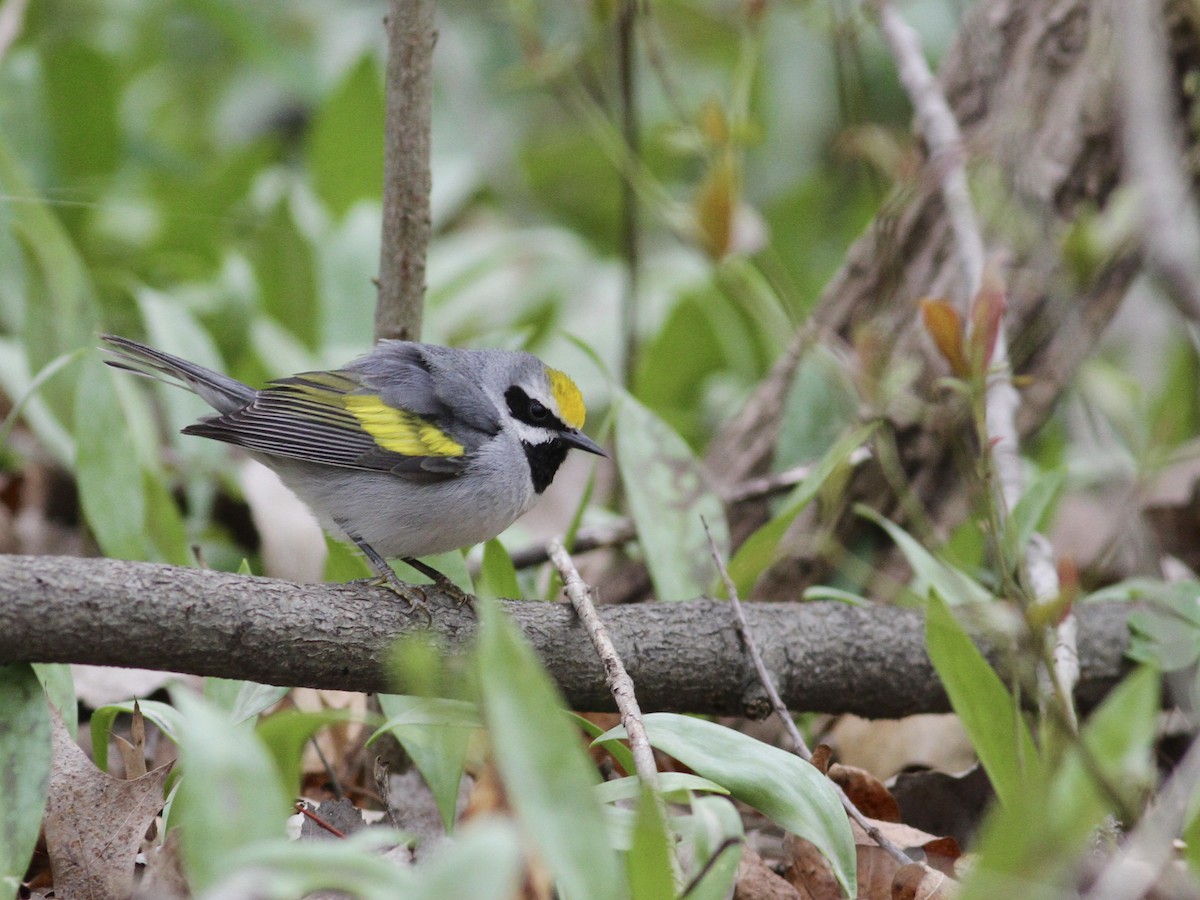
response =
{"points": [[410, 450]]}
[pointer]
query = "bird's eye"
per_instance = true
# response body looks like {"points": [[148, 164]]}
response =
{"points": [[537, 412]]}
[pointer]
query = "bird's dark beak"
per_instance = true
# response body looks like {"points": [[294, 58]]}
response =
{"points": [[578, 439]]}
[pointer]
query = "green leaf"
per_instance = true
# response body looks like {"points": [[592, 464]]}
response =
{"points": [[821, 405], [344, 563], [676, 783], [253, 699], [484, 862], [230, 795], [106, 467], [758, 551], [780, 785], [163, 715], [345, 146], [436, 733], [280, 869], [164, 525], [1039, 496], [285, 733], [82, 96], [48, 371], [498, 576], [988, 712], [1035, 843], [547, 775], [931, 573], [616, 748], [59, 685], [25, 758], [715, 830], [668, 496], [648, 862]]}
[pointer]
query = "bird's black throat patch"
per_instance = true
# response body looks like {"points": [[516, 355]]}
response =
{"points": [[544, 460]]}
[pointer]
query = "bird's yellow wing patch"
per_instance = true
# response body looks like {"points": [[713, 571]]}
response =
{"points": [[570, 402], [400, 431]]}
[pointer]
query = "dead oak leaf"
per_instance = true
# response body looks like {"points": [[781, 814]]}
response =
{"points": [[95, 823]]}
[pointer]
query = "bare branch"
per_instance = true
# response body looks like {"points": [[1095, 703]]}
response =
{"points": [[615, 674], [826, 657], [781, 711], [938, 126], [1002, 402], [406, 178]]}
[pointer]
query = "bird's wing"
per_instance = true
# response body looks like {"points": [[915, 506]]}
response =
{"points": [[340, 419]]}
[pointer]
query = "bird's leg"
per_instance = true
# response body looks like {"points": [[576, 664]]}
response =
{"points": [[443, 583], [386, 577]]}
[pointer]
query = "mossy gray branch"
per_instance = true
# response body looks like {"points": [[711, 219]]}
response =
{"points": [[826, 657]]}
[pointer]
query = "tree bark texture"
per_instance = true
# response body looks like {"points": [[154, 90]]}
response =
{"points": [[685, 656], [1032, 84], [406, 177]]}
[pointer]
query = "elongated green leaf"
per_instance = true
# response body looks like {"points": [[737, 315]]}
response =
{"points": [[483, 863], [59, 684], [345, 147], [548, 777], [780, 785], [164, 715], [648, 862], [987, 710], [1032, 507], [24, 749], [284, 735], [436, 733], [758, 551], [678, 783], [616, 748], [715, 830], [278, 869], [253, 699], [1035, 843], [106, 467], [668, 496], [498, 576], [953, 586], [230, 795]]}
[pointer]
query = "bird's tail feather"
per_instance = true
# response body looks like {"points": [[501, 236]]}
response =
{"points": [[222, 393]]}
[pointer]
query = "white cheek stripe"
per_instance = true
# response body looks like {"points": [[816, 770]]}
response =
{"points": [[531, 434]]}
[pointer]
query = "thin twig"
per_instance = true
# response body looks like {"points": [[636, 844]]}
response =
{"points": [[620, 685], [937, 125], [619, 682], [777, 704], [406, 178]]}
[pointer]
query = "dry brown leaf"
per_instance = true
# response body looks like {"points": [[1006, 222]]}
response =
{"points": [[866, 792], [919, 882], [133, 755], [95, 823], [756, 881], [808, 871]]}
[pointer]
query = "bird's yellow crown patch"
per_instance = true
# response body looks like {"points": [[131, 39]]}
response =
{"points": [[570, 402], [400, 431]]}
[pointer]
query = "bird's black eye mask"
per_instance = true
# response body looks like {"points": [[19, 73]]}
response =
{"points": [[530, 411]]}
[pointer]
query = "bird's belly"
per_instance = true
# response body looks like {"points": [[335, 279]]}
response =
{"points": [[399, 517]]}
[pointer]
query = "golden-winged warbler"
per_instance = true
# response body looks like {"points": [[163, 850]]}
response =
{"points": [[410, 450]]}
